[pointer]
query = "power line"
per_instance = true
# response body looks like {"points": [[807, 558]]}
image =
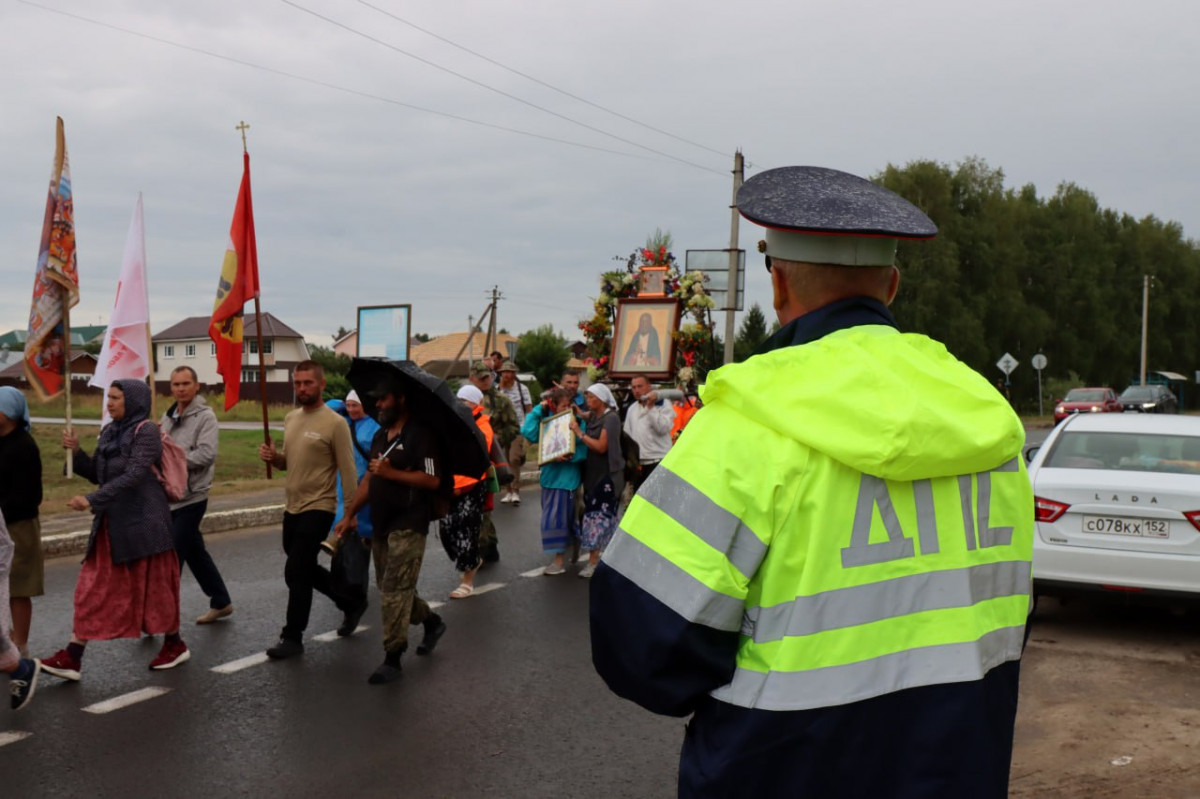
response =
{"points": [[490, 88], [327, 85], [538, 81]]}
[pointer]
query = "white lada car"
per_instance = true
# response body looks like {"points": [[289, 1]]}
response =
{"points": [[1118, 505]]}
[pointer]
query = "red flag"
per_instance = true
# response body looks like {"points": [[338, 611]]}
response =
{"points": [[56, 286], [238, 285]]}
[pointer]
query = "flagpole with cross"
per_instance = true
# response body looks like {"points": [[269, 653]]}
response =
{"points": [[262, 365], [237, 285]]}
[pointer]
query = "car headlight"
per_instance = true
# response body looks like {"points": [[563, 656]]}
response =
{"points": [[1060, 409], [1147, 404], [1097, 408]]}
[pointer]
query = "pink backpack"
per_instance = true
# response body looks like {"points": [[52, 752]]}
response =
{"points": [[172, 469]]}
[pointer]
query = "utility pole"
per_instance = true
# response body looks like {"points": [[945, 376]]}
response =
{"points": [[1145, 318], [739, 175], [490, 344], [470, 339]]}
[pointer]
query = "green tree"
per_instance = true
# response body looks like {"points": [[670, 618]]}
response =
{"points": [[751, 334], [544, 353]]}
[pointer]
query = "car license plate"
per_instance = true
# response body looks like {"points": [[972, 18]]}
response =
{"points": [[1115, 525]]}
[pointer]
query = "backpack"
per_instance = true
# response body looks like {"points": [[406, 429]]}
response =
{"points": [[171, 469]]}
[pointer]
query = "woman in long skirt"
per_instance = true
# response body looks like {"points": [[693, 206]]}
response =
{"points": [[559, 479], [459, 530], [603, 474], [129, 582]]}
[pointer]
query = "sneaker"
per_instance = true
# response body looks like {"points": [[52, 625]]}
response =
{"points": [[387, 672], [171, 655], [22, 689], [62, 665], [516, 500], [587, 571], [507, 498], [285, 649], [215, 613], [553, 569], [351, 619], [433, 634]]}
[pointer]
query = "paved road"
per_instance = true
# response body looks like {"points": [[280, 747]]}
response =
{"points": [[507, 706]]}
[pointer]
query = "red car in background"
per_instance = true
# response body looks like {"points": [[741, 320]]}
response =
{"points": [[1088, 400]]}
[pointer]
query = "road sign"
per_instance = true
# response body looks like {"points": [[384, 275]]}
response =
{"points": [[1006, 364], [1038, 362]]}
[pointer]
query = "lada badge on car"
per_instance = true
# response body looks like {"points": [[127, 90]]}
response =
{"points": [[1132, 499]]}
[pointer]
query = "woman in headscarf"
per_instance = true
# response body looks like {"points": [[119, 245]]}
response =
{"points": [[20, 497], [459, 530], [129, 583], [603, 474]]}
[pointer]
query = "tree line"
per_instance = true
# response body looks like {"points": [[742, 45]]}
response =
{"points": [[1014, 272]]}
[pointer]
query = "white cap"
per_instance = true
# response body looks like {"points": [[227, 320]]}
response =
{"points": [[353, 397], [470, 393]]}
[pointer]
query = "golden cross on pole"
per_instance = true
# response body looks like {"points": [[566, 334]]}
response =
{"points": [[243, 127]]}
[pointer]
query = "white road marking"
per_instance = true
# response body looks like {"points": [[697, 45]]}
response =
{"points": [[332, 634], [241, 663], [125, 700], [435, 605], [534, 572], [483, 589], [7, 738]]}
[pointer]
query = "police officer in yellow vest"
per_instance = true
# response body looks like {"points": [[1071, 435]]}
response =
{"points": [[831, 570]]}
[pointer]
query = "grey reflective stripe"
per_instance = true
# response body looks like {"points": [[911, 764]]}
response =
{"points": [[992, 536], [705, 519], [871, 492], [968, 513], [926, 519], [854, 682], [671, 585], [887, 599]]}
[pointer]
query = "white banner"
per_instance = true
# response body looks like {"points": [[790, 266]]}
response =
{"points": [[126, 351]]}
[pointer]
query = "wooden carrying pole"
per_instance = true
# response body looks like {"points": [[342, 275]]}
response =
{"points": [[66, 325], [262, 377]]}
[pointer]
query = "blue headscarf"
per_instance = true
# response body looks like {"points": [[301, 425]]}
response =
{"points": [[13, 405], [137, 409]]}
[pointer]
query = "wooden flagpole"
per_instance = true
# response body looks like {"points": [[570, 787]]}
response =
{"points": [[262, 376], [66, 324]]}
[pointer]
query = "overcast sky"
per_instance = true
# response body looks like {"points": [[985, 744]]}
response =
{"points": [[361, 199]]}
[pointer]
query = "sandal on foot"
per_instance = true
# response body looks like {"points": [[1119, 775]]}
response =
{"points": [[463, 591]]}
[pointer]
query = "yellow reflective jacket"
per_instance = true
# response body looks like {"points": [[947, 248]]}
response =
{"points": [[856, 509]]}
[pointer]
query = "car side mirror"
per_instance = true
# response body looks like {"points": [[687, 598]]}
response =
{"points": [[1030, 452]]}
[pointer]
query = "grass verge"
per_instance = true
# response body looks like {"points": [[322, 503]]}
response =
{"points": [[238, 467]]}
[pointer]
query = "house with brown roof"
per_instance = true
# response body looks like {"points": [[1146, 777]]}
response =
{"points": [[186, 343], [441, 356], [83, 366]]}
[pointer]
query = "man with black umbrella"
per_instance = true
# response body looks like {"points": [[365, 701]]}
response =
{"points": [[404, 476]]}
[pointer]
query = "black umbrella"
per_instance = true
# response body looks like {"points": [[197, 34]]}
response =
{"points": [[432, 403]]}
